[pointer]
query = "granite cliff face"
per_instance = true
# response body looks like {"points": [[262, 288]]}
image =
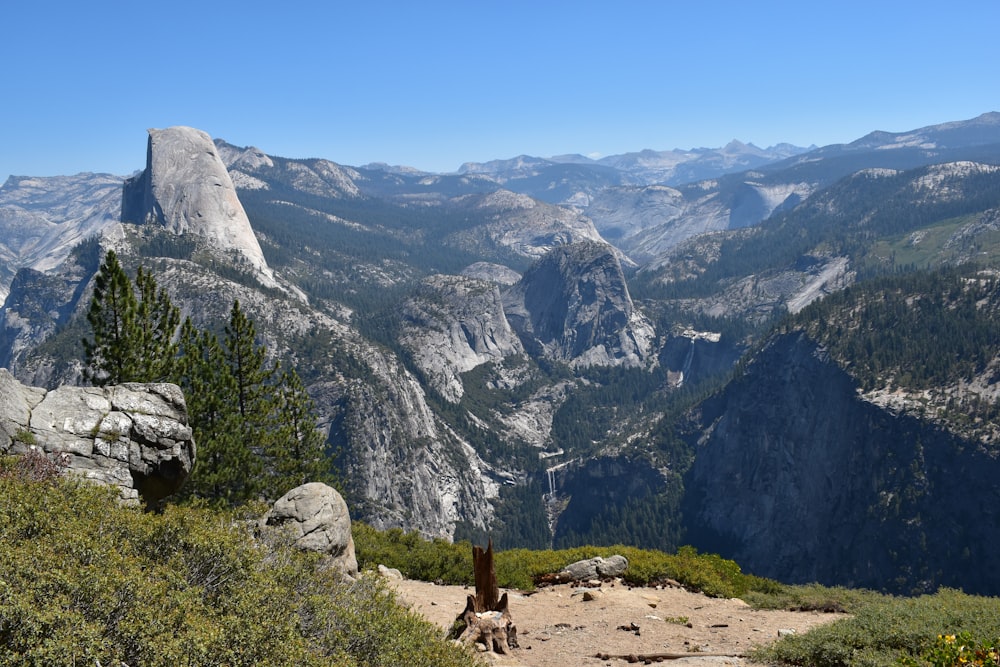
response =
{"points": [[799, 478], [573, 305], [453, 324], [186, 189], [404, 467], [39, 303], [133, 436], [517, 223]]}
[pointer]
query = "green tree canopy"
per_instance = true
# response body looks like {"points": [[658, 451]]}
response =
{"points": [[253, 421], [111, 355], [133, 336]]}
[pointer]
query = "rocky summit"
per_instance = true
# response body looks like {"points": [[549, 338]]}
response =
{"points": [[573, 305], [185, 188]]}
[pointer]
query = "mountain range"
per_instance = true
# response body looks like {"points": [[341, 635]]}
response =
{"points": [[565, 350]]}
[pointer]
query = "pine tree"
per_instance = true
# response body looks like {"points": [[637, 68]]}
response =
{"points": [[298, 453], [255, 430], [111, 357], [133, 337], [156, 326], [247, 364], [226, 469]]}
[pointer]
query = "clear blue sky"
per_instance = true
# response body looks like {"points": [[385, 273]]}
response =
{"points": [[434, 84]]}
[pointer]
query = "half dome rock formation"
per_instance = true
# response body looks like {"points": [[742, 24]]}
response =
{"points": [[133, 436], [186, 189]]}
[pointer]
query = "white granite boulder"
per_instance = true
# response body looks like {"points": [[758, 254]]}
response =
{"points": [[315, 516]]}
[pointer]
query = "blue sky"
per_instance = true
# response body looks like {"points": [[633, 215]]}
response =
{"points": [[435, 84]]}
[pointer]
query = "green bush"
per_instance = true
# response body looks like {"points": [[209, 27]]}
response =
{"points": [[438, 560], [957, 650], [810, 597], [84, 579], [890, 631], [417, 558]]}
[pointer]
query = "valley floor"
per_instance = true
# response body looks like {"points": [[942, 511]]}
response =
{"points": [[558, 628]]}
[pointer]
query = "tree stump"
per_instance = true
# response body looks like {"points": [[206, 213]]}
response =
{"points": [[486, 618]]}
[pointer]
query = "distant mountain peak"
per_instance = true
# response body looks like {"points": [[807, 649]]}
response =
{"points": [[186, 188]]}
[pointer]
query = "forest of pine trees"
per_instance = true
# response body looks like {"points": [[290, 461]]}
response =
{"points": [[253, 422]]}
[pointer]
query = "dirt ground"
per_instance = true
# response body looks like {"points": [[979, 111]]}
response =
{"points": [[558, 627]]}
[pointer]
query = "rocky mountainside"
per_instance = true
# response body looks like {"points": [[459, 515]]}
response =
{"points": [[453, 324], [186, 189], [798, 477], [41, 219], [488, 362], [548, 178], [650, 220], [573, 305]]}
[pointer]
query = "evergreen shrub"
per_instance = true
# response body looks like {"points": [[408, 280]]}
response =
{"points": [[85, 580], [442, 561], [893, 631]]}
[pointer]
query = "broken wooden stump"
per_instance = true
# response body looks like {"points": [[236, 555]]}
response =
{"points": [[486, 619]]}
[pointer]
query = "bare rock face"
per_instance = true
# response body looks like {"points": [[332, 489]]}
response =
{"points": [[517, 223], [186, 188], [595, 568], [133, 436], [403, 466], [799, 477], [41, 219], [317, 519], [454, 324], [573, 305]]}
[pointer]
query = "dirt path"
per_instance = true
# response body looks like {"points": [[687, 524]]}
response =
{"points": [[558, 627]]}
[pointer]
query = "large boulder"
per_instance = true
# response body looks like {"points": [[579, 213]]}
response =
{"points": [[133, 436], [316, 518], [594, 568]]}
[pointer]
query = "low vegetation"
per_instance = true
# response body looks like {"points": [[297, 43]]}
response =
{"points": [[445, 562], [85, 581], [918, 631]]}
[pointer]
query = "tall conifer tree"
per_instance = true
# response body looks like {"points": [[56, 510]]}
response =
{"points": [[298, 453], [255, 429], [156, 321], [247, 361], [111, 357], [133, 338], [226, 469]]}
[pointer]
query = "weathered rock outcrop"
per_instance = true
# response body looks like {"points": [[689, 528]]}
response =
{"points": [[797, 477], [517, 223], [452, 325], [594, 568], [316, 518], [573, 305], [133, 436], [186, 189]]}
